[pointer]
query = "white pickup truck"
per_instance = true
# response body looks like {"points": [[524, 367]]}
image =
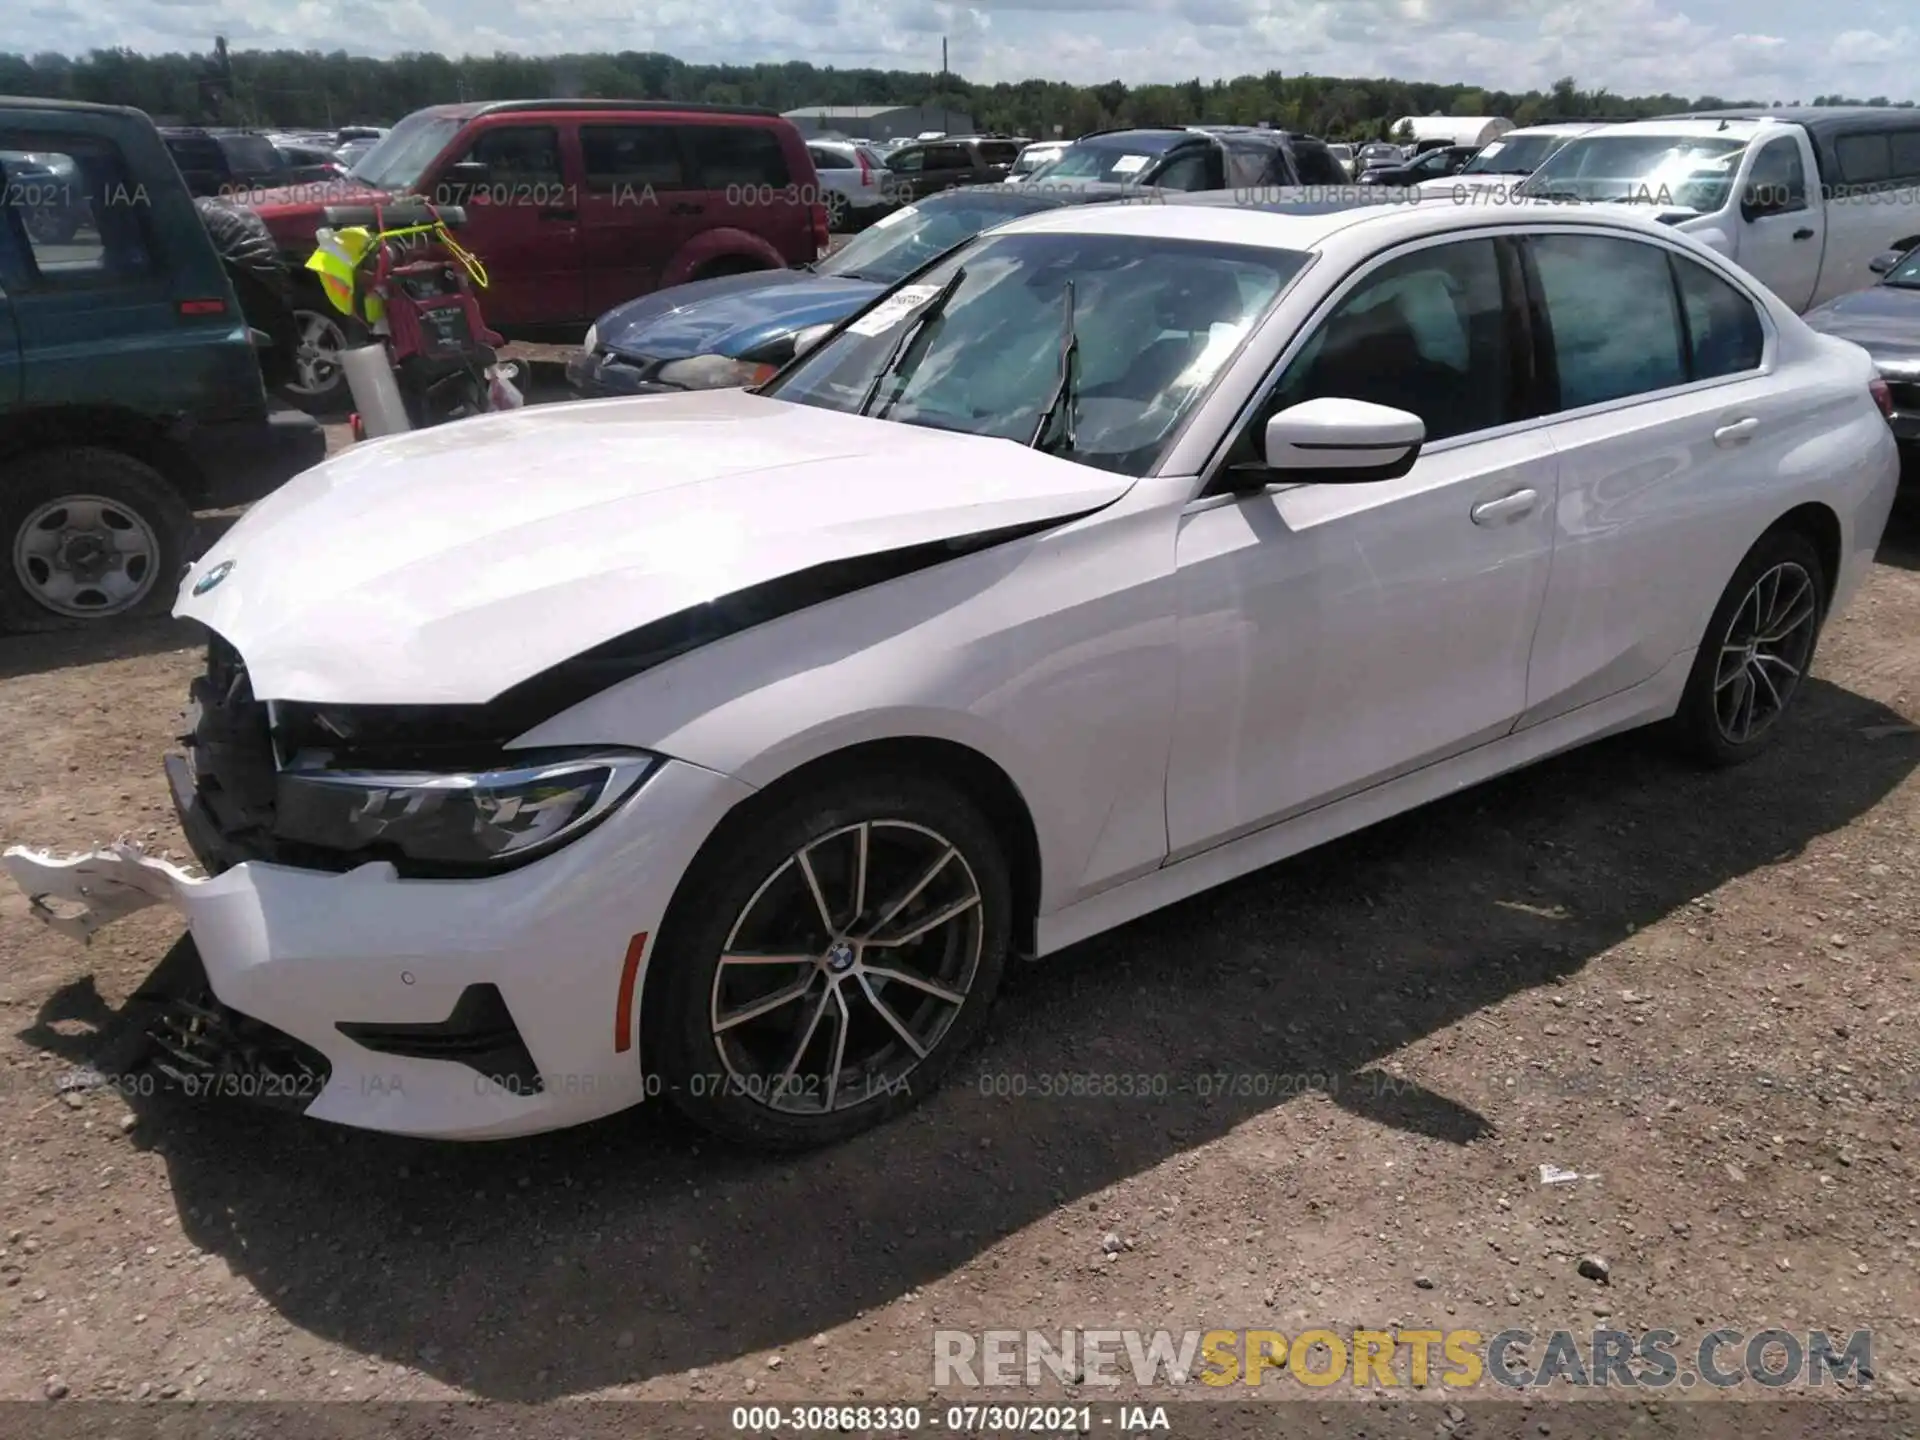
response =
{"points": [[1800, 198]]}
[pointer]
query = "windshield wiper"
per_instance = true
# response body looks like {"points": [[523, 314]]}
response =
{"points": [[914, 325], [1062, 401]]}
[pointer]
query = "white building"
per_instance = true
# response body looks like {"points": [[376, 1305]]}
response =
{"points": [[1450, 129], [879, 122]]}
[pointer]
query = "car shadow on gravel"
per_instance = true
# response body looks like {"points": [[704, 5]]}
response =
{"points": [[628, 1249], [37, 654]]}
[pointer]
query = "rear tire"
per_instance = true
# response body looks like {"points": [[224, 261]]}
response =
{"points": [[837, 213], [91, 535], [875, 1015], [1753, 659]]}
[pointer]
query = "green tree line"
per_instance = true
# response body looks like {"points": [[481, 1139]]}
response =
{"points": [[306, 88]]}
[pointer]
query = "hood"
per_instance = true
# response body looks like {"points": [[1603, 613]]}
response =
{"points": [[730, 314], [1882, 319], [446, 565]]}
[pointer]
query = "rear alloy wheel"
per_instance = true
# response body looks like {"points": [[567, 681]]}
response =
{"points": [[841, 966], [92, 535], [1757, 651], [836, 211]]}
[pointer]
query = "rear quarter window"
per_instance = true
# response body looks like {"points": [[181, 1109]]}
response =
{"points": [[998, 152], [723, 155], [74, 212]]}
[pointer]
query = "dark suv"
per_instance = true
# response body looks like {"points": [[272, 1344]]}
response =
{"points": [[130, 390], [1198, 157], [226, 162], [927, 167]]}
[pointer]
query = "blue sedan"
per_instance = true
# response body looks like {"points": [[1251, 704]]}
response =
{"points": [[738, 329]]}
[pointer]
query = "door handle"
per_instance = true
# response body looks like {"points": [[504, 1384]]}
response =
{"points": [[559, 215], [687, 207], [1737, 433], [1507, 507], [1803, 234]]}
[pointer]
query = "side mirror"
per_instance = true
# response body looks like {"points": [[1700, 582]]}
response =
{"points": [[804, 340], [1331, 441], [1885, 261], [467, 172]]}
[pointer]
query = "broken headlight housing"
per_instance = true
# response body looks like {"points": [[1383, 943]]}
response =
{"points": [[453, 823]]}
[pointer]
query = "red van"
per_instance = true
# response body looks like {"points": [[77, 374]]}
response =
{"points": [[572, 205]]}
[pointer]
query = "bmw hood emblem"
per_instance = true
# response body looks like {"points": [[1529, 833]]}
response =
{"points": [[213, 577]]}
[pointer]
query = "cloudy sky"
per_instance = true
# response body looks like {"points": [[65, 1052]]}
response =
{"points": [[1766, 49]]}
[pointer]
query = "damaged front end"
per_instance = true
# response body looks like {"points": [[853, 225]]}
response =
{"points": [[174, 1026]]}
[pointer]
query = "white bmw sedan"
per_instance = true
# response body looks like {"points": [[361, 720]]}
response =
{"points": [[726, 746]]}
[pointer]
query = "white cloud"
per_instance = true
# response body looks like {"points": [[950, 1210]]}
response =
{"points": [[1762, 49]]}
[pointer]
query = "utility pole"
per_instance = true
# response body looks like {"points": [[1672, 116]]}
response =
{"points": [[946, 120]]}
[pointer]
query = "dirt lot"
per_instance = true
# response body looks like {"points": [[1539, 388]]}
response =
{"points": [[1697, 991]]}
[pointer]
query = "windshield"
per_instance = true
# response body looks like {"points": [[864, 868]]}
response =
{"points": [[1116, 159], [395, 163], [900, 242], [1691, 172], [1156, 320], [1906, 274], [1031, 160], [1515, 155]]}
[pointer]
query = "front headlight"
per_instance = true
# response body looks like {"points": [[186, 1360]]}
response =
{"points": [[714, 372], [461, 822], [592, 341]]}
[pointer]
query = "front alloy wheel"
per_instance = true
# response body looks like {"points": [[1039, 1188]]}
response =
{"points": [[843, 971]]}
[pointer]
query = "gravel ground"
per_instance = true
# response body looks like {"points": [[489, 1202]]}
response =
{"points": [[1698, 991]]}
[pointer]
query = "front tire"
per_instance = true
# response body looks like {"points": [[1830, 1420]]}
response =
{"points": [[91, 535], [1756, 653], [828, 964]]}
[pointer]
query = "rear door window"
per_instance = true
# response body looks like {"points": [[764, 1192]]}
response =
{"points": [[1615, 322], [1865, 160], [824, 159], [723, 155], [949, 157], [623, 157]]}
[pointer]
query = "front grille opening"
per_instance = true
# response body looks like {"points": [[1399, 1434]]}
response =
{"points": [[208, 1050]]}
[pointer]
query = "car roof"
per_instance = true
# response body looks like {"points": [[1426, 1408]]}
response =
{"points": [[1739, 127], [1567, 127], [1226, 217], [1816, 119]]}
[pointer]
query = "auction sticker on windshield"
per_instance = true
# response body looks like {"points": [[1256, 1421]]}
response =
{"points": [[892, 310], [1129, 164]]}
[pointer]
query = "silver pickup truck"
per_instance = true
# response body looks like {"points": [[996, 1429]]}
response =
{"points": [[1800, 198]]}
